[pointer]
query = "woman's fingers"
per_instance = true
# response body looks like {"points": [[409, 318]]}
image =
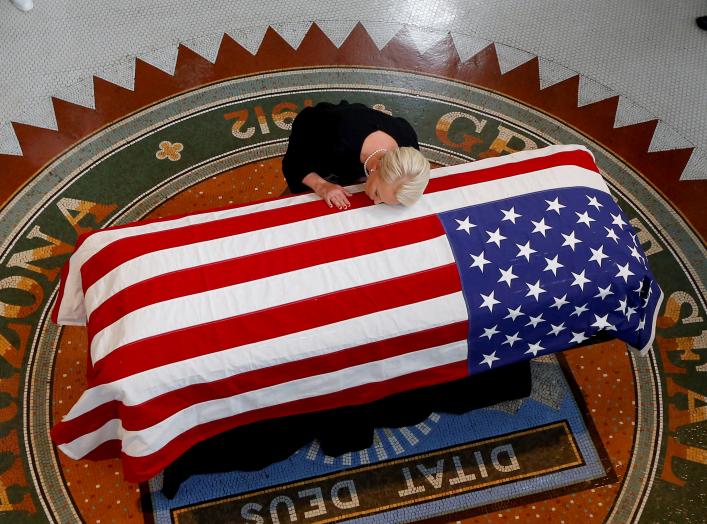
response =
{"points": [[344, 202], [334, 199], [337, 198]]}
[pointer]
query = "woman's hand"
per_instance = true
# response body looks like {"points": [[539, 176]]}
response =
{"points": [[332, 194]]}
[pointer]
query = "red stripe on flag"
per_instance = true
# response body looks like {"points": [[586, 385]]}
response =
{"points": [[563, 159], [260, 265], [137, 469], [108, 450], [153, 411], [125, 249], [274, 322]]}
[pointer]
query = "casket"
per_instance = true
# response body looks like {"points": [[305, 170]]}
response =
{"points": [[205, 322]]}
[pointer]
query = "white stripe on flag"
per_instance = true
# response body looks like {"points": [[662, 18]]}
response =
{"points": [[150, 440], [322, 340], [284, 288]]}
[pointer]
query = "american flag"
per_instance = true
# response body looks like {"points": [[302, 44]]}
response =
{"points": [[208, 321]]}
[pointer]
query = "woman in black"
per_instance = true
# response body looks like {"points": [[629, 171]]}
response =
{"points": [[337, 145]]}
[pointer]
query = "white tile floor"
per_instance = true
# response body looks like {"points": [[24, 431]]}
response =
{"points": [[651, 53]]}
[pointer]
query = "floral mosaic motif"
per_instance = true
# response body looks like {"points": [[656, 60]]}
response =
{"points": [[170, 151]]}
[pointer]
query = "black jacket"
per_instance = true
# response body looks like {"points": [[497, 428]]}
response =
{"points": [[326, 139]]}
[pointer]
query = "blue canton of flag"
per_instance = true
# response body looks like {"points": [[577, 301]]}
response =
{"points": [[547, 271]]}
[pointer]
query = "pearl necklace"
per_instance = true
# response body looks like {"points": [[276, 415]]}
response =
{"points": [[365, 164]]}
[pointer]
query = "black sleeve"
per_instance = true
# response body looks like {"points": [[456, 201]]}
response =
{"points": [[301, 156], [406, 134]]}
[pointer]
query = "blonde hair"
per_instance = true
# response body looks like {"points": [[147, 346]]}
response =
{"points": [[408, 169]]}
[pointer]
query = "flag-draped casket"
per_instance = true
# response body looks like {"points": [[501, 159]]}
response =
{"points": [[208, 321]]}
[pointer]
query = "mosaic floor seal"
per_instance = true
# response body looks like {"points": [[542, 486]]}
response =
{"points": [[625, 428]]}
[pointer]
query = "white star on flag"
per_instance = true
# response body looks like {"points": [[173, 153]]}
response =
{"points": [[597, 255], [510, 214], [622, 305], [570, 240], [641, 324], [465, 225], [479, 261], [578, 310], [624, 272], [507, 275], [594, 202], [611, 234], [534, 290], [580, 279], [618, 221], [602, 323], [490, 332], [554, 205], [489, 359], [540, 227], [630, 311], [553, 265], [556, 329], [635, 254], [578, 337], [604, 292], [559, 302], [496, 237], [534, 348], [525, 250], [584, 218], [534, 321], [513, 313], [489, 301], [512, 339]]}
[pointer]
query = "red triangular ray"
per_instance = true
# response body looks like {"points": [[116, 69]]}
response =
{"points": [[192, 70], [561, 98], [75, 121], [276, 52], [359, 48], [482, 69], [523, 82], [112, 101], [233, 59], [442, 59], [316, 48], [151, 83]]}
